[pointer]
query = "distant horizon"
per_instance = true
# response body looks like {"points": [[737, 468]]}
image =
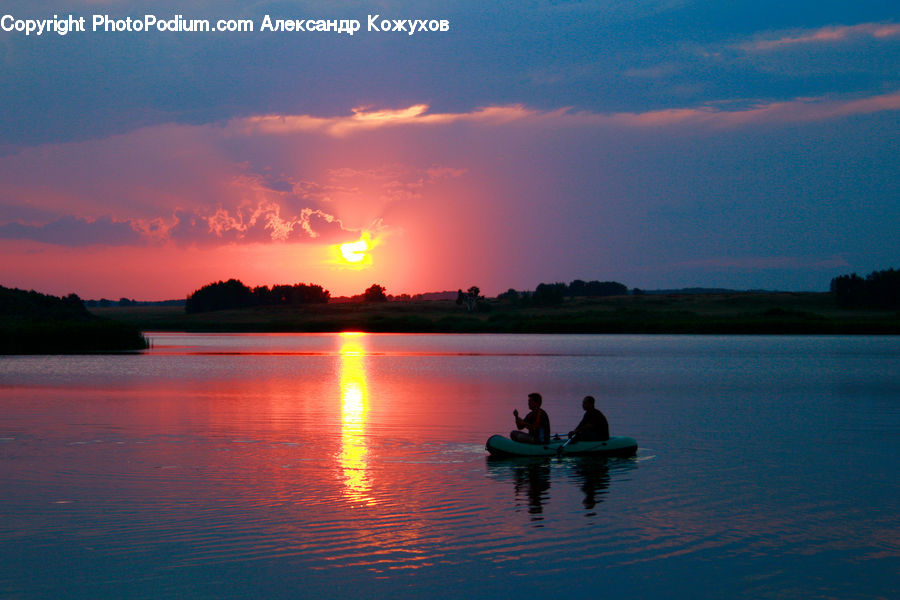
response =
{"points": [[649, 291], [489, 294]]}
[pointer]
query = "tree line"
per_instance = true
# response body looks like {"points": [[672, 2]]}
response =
{"points": [[233, 293], [879, 289], [31, 305], [551, 294], [35, 323]]}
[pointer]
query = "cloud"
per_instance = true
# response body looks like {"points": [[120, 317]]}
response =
{"points": [[186, 184], [825, 35], [364, 119], [266, 221], [74, 231], [796, 110], [307, 179]]}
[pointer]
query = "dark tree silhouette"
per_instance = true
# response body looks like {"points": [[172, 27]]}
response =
{"points": [[604, 288], [34, 323], [509, 295], [549, 294], [36, 306], [880, 289], [849, 291], [595, 289], [219, 296], [578, 288], [234, 294], [471, 298], [375, 293], [291, 295]]}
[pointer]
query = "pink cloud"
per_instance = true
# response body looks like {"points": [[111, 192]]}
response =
{"points": [[797, 110], [363, 119], [879, 31]]}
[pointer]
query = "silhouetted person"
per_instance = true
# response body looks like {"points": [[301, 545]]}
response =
{"points": [[537, 422], [593, 426], [594, 477], [534, 479]]}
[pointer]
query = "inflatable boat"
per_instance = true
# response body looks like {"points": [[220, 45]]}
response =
{"points": [[618, 445]]}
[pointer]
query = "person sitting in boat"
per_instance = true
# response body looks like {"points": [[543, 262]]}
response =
{"points": [[593, 426], [537, 422]]}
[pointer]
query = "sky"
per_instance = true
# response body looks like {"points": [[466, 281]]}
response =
{"points": [[662, 144]]}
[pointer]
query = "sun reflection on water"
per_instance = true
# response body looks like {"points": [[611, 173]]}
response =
{"points": [[354, 406]]}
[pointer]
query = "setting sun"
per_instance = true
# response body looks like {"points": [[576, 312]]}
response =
{"points": [[354, 252], [358, 254]]}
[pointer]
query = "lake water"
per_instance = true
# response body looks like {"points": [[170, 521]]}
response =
{"points": [[311, 466]]}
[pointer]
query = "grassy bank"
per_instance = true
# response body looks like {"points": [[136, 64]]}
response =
{"points": [[733, 313]]}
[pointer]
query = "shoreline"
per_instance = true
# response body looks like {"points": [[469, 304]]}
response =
{"points": [[745, 313]]}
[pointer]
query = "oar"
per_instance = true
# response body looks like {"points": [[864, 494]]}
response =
{"points": [[559, 450]]}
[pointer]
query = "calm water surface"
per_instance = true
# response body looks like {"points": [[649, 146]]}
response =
{"points": [[301, 466]]}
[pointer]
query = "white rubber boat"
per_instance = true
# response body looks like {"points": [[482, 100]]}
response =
{"points": [[618, 445]]}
